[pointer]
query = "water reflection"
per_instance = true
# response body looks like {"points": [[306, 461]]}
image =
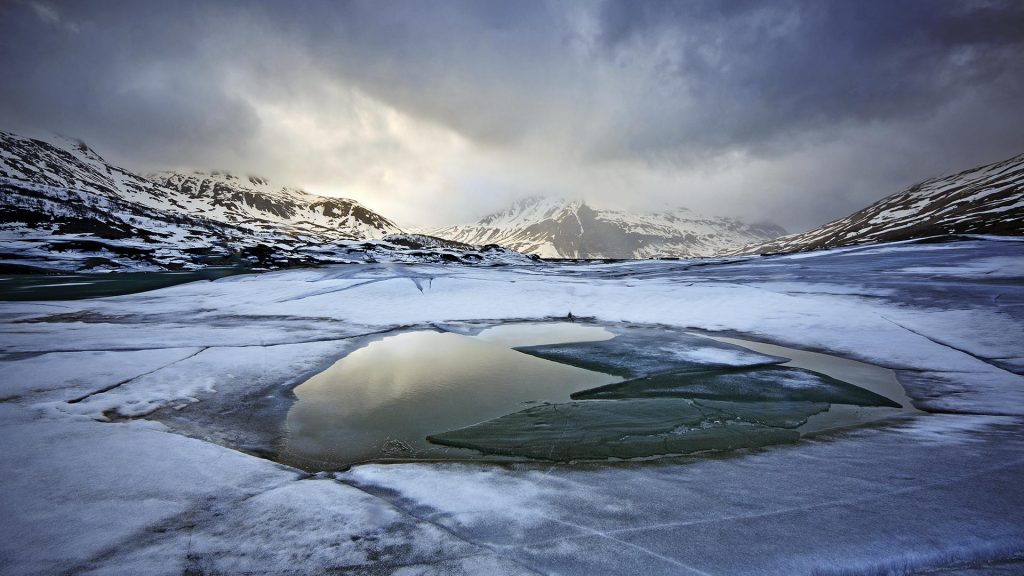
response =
{"points": [[384, 399]]}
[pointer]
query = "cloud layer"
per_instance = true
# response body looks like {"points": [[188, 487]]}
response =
{"points": [[794, 111]]}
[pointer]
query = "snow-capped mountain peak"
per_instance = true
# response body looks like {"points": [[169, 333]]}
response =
{"points": [[560, 228], [529, 210]]}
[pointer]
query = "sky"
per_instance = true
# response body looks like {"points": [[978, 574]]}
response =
{"points": [[437, 112]]}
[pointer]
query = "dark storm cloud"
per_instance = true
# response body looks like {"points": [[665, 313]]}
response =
{"points": [[664, 78], [762, 71], [769, 110], [782, 68], [133, 81], [492, 70]]}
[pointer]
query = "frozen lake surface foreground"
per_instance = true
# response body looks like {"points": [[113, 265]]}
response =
{"points": [[521, 390], [142, 430]]}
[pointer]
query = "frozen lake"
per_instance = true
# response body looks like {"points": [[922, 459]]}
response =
{"points": [[381, 402], [134, 421]]}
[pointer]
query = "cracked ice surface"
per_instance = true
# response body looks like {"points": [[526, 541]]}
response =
{"points": [[870, 502], [212, 360]]}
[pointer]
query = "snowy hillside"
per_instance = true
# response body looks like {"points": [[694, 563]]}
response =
{"points": [[52, 228], [249, 202], [62, 207], [254, 202], [67, 163], [556, 228], [985, 200]]}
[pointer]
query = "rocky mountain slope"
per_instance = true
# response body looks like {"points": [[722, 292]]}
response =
{"points": [[46, 227], [556, 228], [248, 202], [984, 200], [64, 208], [252, 202]]}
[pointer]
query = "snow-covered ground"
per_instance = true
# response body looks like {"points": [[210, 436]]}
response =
{"points": [[126, 423]]}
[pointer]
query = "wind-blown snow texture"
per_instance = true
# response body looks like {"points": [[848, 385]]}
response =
{"points": [[984, 200], [124, 417], [556, 228]]}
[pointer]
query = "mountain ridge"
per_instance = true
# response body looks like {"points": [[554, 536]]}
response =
{"points": [[987, 199], [253, 201], [559, 228], [64, 208]]}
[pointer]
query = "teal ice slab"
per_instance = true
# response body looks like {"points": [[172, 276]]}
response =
{"points": [[626, 429], [771, 383], [636, 352]]}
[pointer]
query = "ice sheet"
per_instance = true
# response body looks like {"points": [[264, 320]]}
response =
{"points": [[933, 491]]}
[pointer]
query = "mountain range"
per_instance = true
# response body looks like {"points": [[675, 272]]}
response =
{"points": [[557, 228], [63, 207]]}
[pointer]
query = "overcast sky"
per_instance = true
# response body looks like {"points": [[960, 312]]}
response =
{"points": [[795, 112]]}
